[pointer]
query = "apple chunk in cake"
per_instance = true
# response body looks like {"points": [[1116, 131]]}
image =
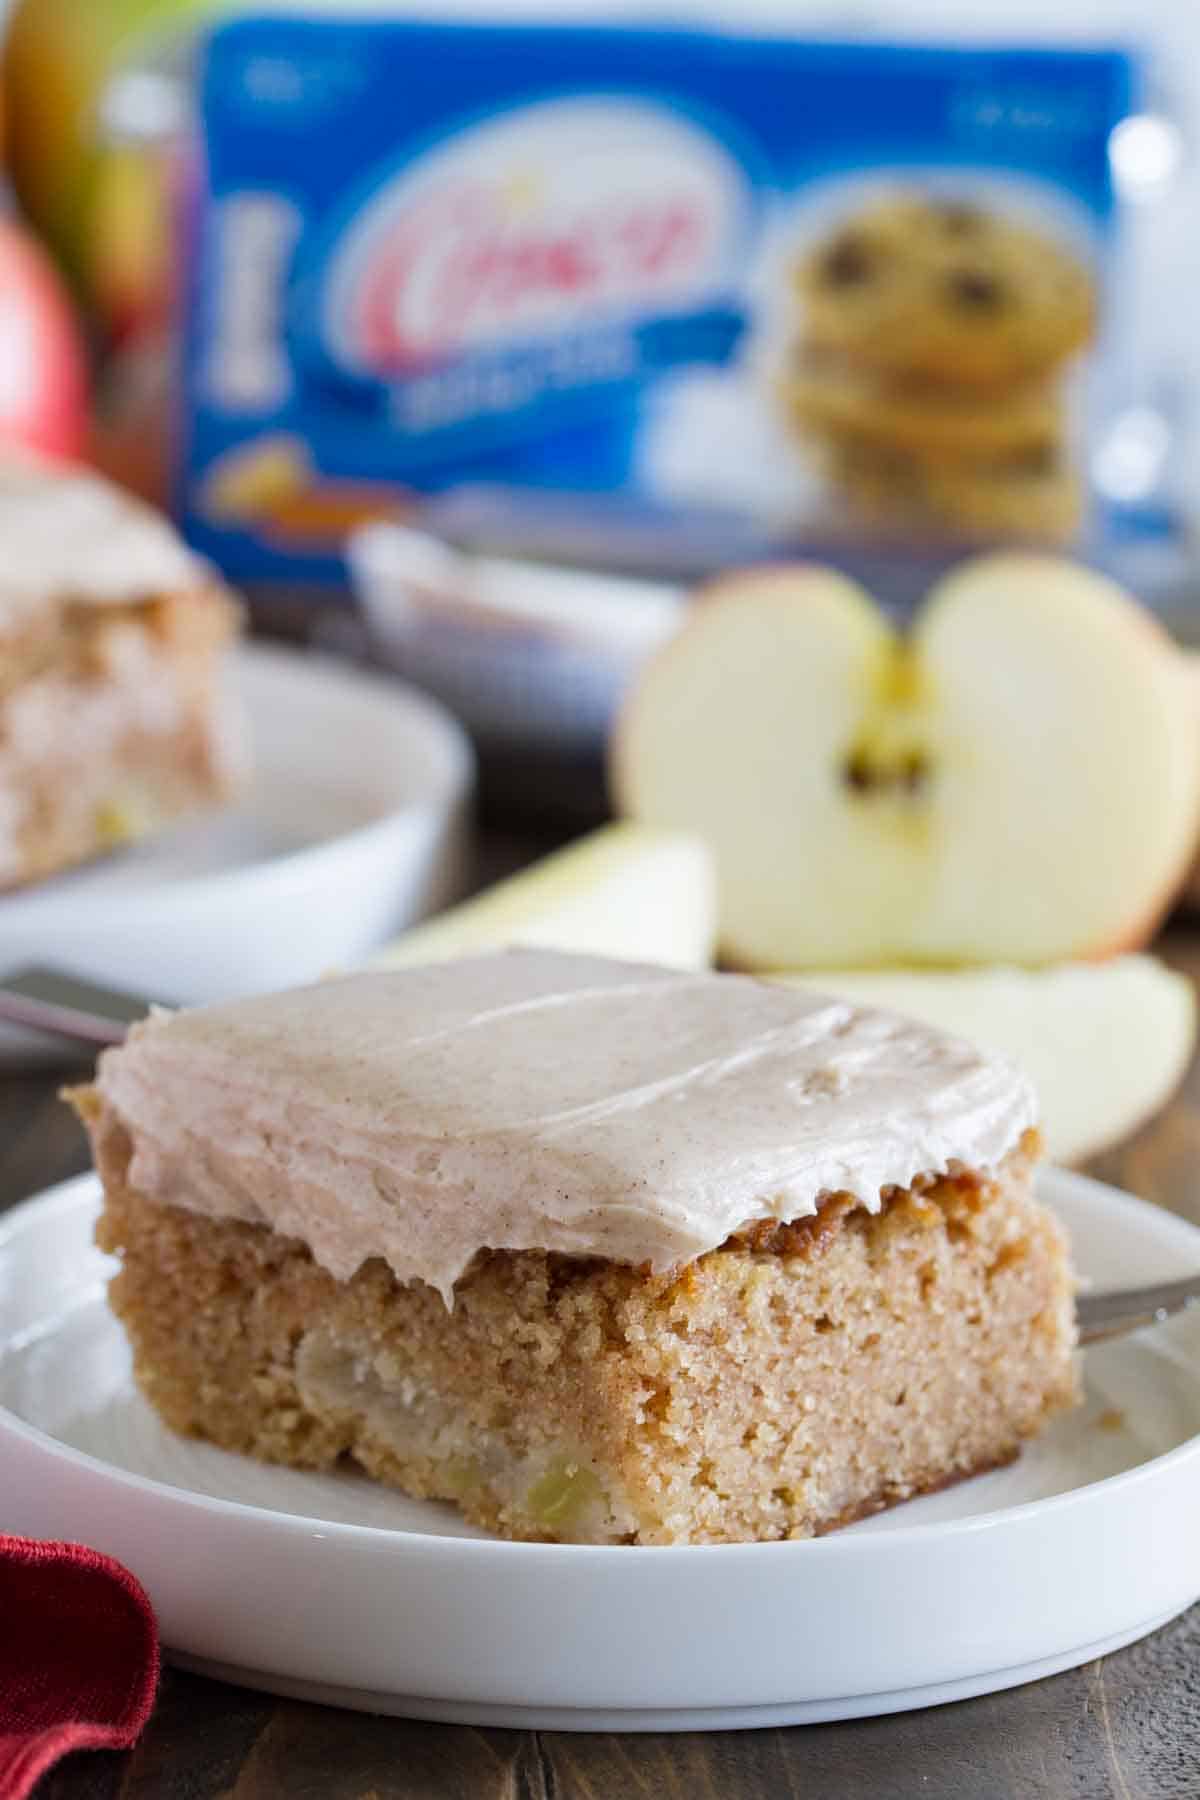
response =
{"points": [[597, 1252]]}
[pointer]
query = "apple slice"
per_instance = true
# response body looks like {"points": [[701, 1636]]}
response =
{"points": [[1105, 1044], [625, 891], [1017, 780]]}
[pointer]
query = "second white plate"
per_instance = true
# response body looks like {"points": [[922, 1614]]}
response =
{"points": [[351, 828], [333, 1588]]}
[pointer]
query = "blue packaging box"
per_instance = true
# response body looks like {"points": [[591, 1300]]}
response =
{"points": [[554, 275]]}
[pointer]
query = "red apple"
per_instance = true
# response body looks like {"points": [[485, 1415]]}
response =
{"points": [[43, 366], [99, 206]]}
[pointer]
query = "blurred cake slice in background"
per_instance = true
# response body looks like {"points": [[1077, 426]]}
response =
{"points": [[113, 718]]}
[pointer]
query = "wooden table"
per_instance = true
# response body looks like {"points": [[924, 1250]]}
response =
{"points": [[1124, 1728]]}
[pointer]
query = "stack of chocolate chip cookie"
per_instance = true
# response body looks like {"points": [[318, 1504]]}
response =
{"points": [[929, 372]]}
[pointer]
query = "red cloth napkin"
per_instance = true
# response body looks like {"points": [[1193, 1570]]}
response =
{"points": [[78, 1657]]}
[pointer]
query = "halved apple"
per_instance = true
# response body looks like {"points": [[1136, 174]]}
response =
{"points": [[1016, 780], [1105, 1044], [625, 890]]}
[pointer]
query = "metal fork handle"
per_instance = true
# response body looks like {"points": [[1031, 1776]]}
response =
{"points": [[68, 1007], [1127, 1309]]}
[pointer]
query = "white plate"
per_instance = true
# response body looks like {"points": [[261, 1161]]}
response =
{"points": [[351, 828], [335, 1589]]}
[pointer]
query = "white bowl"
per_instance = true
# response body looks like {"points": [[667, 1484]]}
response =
{"points": [[352, 827], [527, 654]]}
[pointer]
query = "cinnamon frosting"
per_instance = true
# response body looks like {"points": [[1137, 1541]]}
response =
{"points": [[534, 1100], [68, 535]]}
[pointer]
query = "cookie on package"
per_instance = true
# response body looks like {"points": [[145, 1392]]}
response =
{"points": [[1036, 496], [945, 289], [826, 392]]}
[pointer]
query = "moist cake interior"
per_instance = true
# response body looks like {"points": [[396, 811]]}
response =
{"points": [[791, 1381]]}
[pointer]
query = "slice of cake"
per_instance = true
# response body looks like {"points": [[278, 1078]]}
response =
{"points": [[600, 1252], [111, 634]]}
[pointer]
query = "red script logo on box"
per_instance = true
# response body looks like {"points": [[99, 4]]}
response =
{"points": [[562, 215]]}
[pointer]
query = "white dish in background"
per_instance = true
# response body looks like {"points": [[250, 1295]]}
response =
{"points": [[333, 1588], [526, 654], [352, 826]]}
